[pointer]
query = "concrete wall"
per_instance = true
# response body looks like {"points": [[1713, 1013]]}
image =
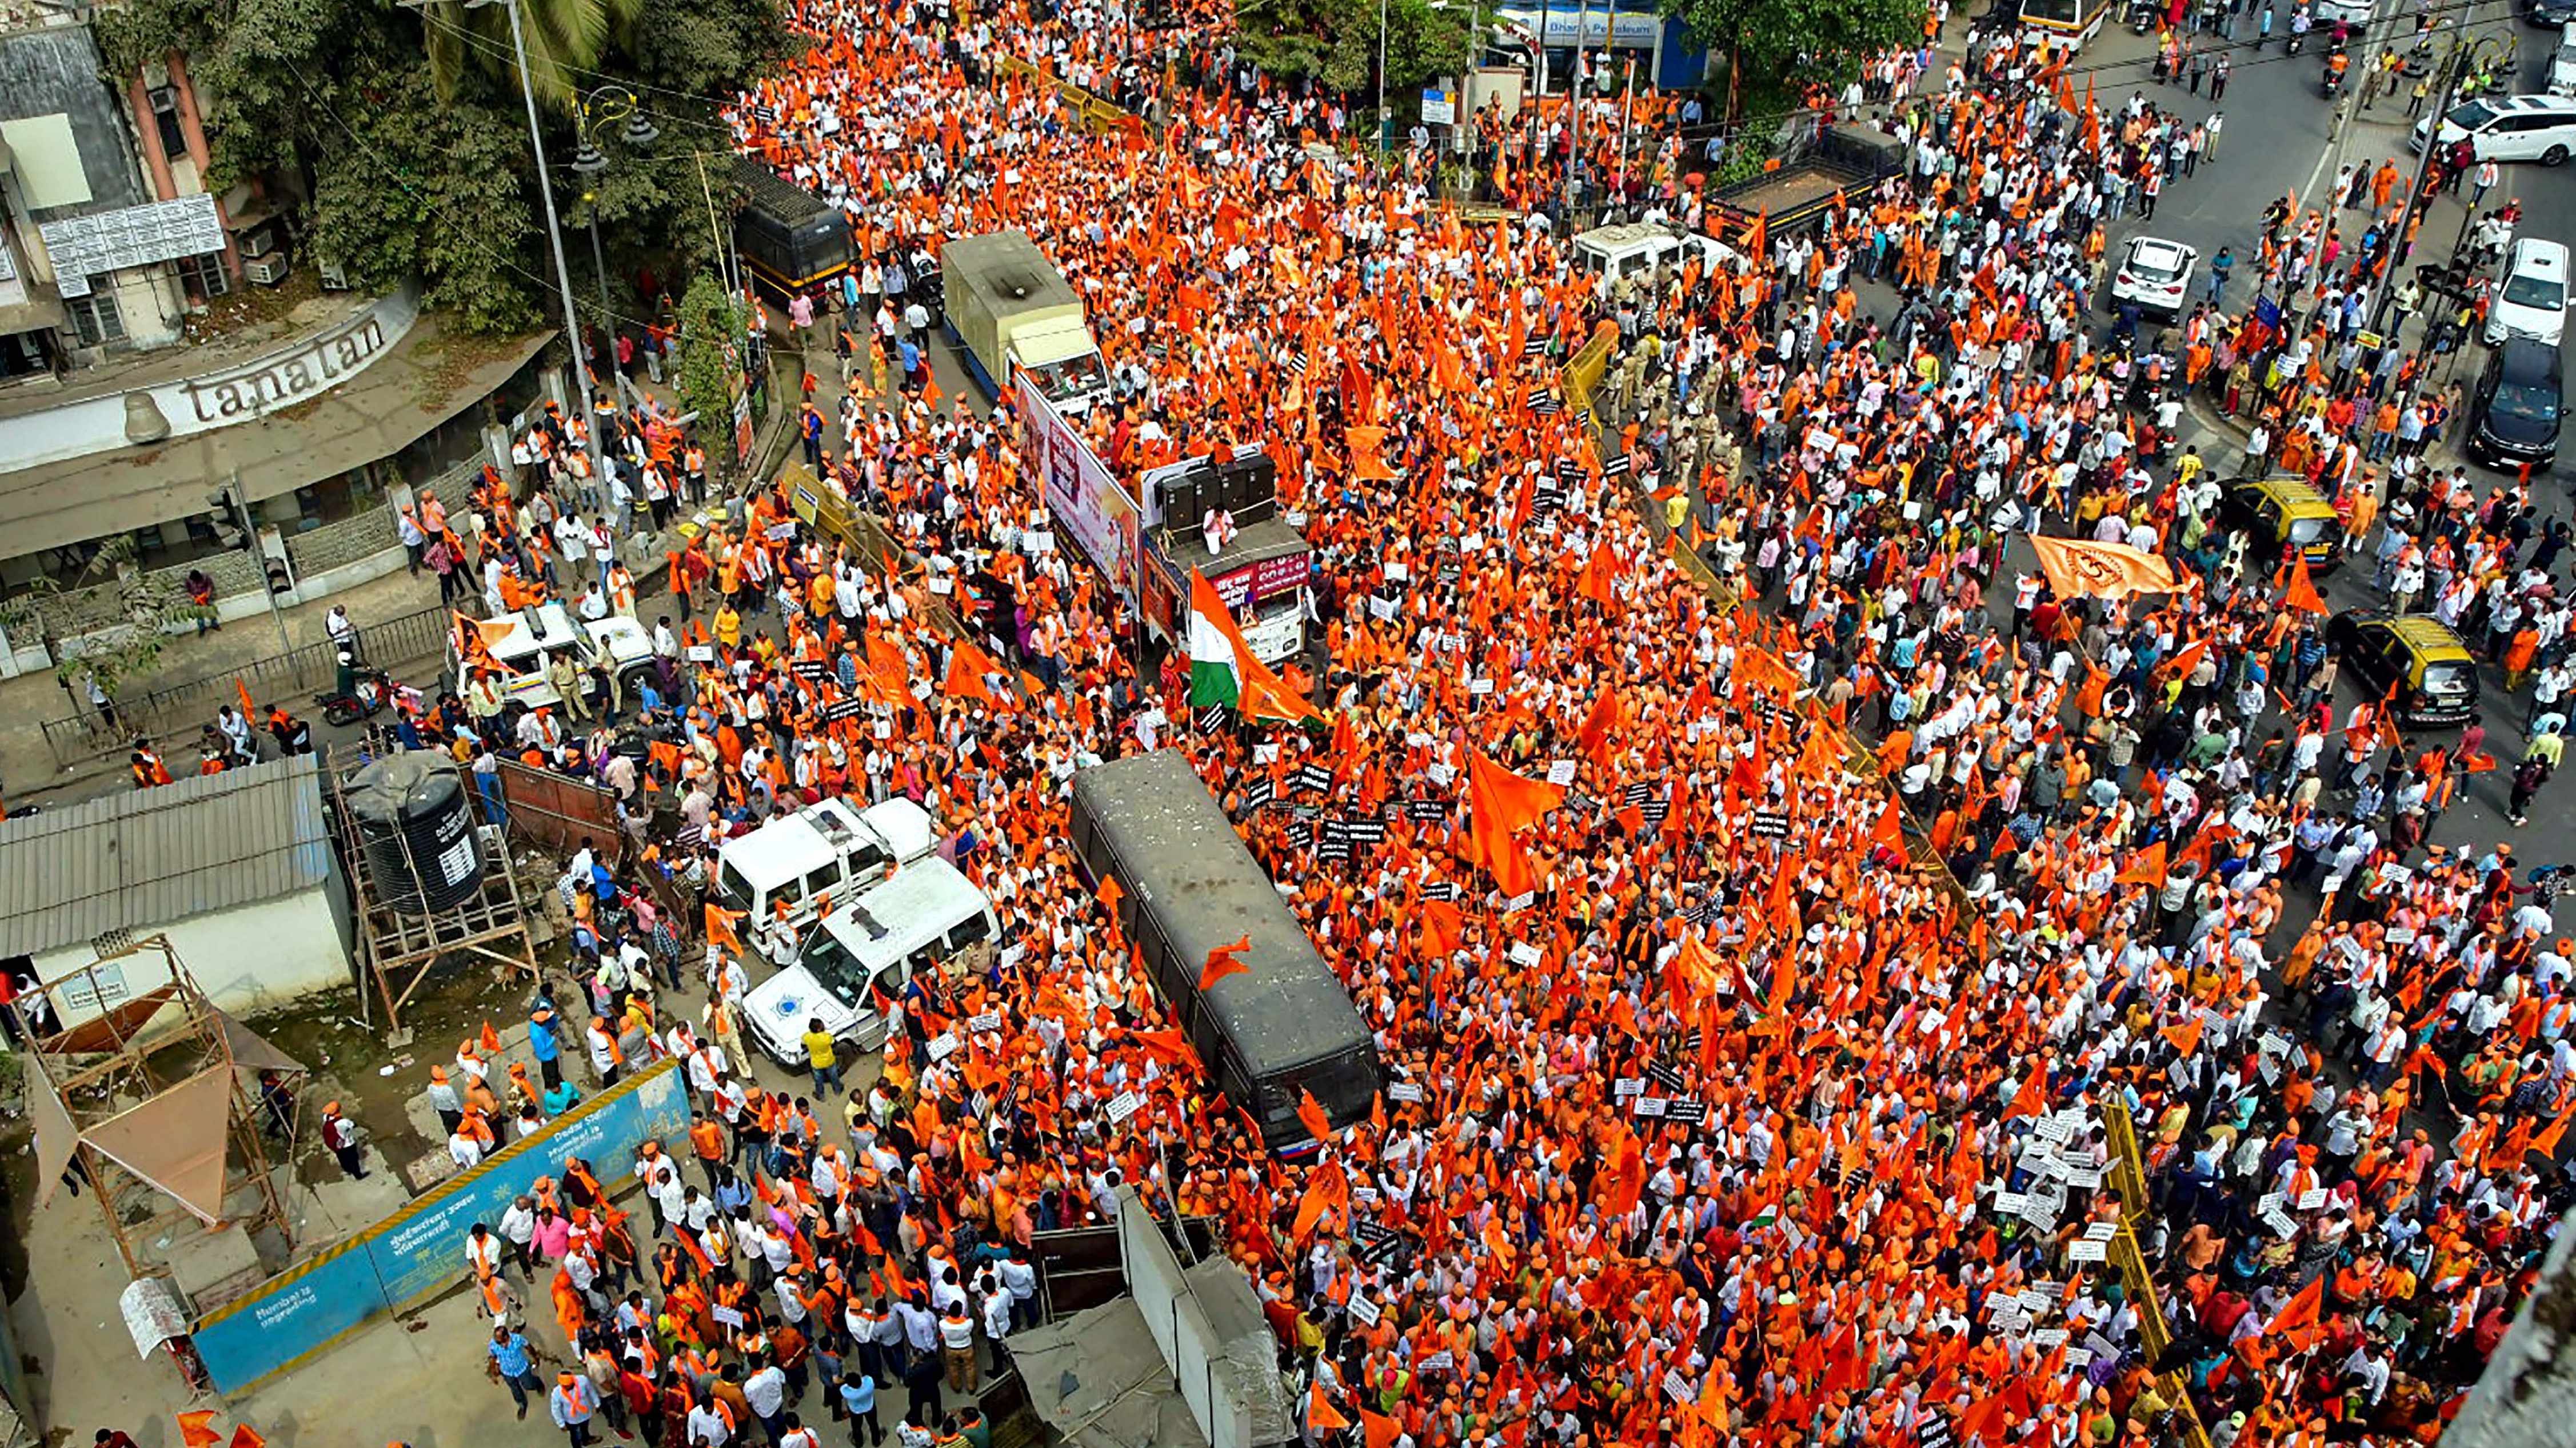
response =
{"points": [[2528, 1395], [262, 957]]}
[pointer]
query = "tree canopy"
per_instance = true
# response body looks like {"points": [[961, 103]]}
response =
{"points": [[1335, 42], [1775, 44], [406, 131]]}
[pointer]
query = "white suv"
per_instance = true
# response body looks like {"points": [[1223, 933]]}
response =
{"points": [[2155, 274]]}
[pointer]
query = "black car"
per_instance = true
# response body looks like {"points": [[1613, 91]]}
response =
{"points": [[2549, 12], [2513, 418]]}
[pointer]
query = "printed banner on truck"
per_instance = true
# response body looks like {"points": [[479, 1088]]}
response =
{"points": [[1086, 501]]}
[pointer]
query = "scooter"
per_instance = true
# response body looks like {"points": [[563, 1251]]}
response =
{"points": [[2330, 82], [367, 697]]}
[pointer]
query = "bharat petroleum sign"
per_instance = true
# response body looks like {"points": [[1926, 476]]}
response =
{"points": [[321, 363]]}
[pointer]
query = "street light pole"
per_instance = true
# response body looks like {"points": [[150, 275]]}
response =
{"points": [[1574, 104], [2415, 192], [606, 103], [1385, 123], [554, 231]]}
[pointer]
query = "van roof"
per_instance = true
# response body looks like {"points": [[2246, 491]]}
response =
{"points": [[1623, 236], [555, 625], [2539, 254], [923, 899], [799, 844]]}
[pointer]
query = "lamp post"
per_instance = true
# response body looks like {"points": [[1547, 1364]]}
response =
{"points": [[602, 107], [554, 228]]}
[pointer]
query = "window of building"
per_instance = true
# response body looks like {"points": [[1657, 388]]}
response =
{"points": [[204, 276], [165, 120], [95, 318]]}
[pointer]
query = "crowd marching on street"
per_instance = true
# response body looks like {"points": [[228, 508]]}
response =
{"points": [[1737, 738]]}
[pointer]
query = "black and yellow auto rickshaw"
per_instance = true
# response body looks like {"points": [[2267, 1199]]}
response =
{"points": [[2277, 513], [2415, 661]]}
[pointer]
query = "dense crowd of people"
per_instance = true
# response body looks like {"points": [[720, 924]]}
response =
{"points": [[1942, 915]]}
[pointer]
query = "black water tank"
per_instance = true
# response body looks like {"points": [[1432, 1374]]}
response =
{"points": [[415, 818]]}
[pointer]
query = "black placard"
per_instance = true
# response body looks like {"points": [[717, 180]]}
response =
{"points": [[1210, 719], [840, 709], [1313, 778], [1258, 794], [1688, 1110], [1616, 466], [1441, 890], [1426, 809], [810, 668], [1364, 830], [1670, 1079], [1770, 824], [1637, 794]]}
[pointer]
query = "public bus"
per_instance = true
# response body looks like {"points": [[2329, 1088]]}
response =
{"points": [[1269, 1034], [2074, 21]]}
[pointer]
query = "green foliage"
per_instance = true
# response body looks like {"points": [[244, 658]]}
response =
{"points": [[1774, 44], [407, 135], [1336, 41], [711, 331]]}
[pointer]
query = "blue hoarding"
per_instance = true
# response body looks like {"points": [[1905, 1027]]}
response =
{"points": [[419, 1251]]}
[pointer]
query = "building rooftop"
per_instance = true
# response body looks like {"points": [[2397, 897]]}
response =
{"points": [[153, 857]]}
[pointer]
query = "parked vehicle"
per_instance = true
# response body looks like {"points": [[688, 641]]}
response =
{"points": [[795, 868], [1270, 1036], [2514, 414], [2414, 661], [2531, 293], [928, 917], [2538, 128]]}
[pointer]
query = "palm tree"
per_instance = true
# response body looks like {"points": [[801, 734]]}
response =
{"points": [[565, 40]]}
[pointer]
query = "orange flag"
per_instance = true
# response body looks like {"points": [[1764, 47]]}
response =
{"points": [[2302, 592], [1443, 927], [244, 1436], [194, 1431], [1377, 1429], [2300, 1311], [1111, 892], [720, 925], [2100, 570], [1328, 1189], [1321, 1416], [2545, 1141], [2185, 1037], [1223, 961], [2032, 1098], [1310, 1114], [249, 714], [967, 668], [2147, 869]]}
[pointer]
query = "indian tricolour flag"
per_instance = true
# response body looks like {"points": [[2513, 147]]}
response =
{"points": [[1223, 669]]}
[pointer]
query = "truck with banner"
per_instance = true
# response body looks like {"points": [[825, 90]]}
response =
{"points": [[1083, 498], [1259, 563]]}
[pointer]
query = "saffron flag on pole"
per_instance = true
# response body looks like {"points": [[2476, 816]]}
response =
{"points": [[2100, 570], [1223, 668]]}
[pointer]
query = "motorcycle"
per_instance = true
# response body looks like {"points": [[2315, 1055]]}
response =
{"points": [[367, 697], [2330, 83]]}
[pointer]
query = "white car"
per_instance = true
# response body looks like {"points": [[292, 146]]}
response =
{"points": [[2538, 128], [2155, 274], [538, 635], [2531, 293]]}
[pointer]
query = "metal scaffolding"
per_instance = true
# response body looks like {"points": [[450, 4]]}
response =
{"points": [[146, 1099], [400, 947]]}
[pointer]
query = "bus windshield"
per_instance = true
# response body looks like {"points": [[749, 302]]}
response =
{"points": [[2056, 14]]}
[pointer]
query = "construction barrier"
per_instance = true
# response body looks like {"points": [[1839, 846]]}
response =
{"points": [[419, 1251]]}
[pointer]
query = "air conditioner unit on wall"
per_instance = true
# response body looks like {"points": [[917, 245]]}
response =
{"points": [[268, 270], [333, 278]]}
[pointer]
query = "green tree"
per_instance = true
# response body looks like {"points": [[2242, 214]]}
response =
{"points": [[711, 334], [1771, 46], [405, 135], [1335, 42]]}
